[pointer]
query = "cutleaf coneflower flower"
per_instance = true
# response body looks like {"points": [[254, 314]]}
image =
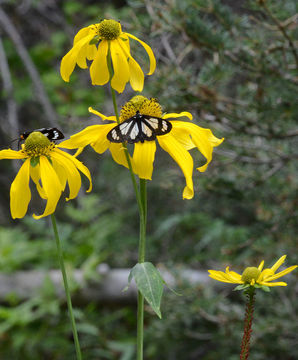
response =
{"points": [[142, 123], [254, 276], [50, 169], [101, 43], [251, 279]]}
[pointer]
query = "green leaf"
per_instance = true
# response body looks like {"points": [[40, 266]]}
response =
{"points": [[150, 283], [241, 287], [34, 161], [265, 288]]}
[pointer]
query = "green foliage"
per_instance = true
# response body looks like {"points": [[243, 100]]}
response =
{"points": [[150, 283]]}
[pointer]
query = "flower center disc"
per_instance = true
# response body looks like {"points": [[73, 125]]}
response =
{"points": [[38, 144], [109, 29]]}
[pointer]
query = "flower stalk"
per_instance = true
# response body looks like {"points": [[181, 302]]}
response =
{"points": [[141, 196], [66, 287], [142, 248], [250, 293]]}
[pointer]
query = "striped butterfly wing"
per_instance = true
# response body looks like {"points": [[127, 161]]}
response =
{"points": [[139, 128]]}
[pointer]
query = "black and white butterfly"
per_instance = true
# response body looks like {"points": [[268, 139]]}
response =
{"points": [[51, 133], [139, 128]]}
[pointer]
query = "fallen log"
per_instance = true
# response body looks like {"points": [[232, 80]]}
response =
{"points": [[108, 286]]}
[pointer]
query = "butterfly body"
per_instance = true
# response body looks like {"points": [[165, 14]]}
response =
{"points": [[139, 128]]}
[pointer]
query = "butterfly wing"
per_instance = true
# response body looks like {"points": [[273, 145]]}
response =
{"points": [[139, 128], [51, 133]]}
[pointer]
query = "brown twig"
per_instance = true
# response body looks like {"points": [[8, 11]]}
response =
{"points": [[12, 117], [12, 32]]}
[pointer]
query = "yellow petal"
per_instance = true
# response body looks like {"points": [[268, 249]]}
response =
{"points": [[99, 71], [51, 186], [143, 158], [35, 175], [78, 164], [20, 194], [71, 172], [223, 277], [203, 139], [118, 154], [273, 284], [60, 171], [182, 158], [83, 138], [136, 75], [86, 51], [103, 117], [81, 34], [280, 274], [69, 61], [120, 67], [102, 143], [12, 154], [176, 115], [260, 267], [278, 263], [149, 52]]}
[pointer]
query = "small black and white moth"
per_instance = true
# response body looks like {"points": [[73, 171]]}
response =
{"points": [[51, 133], [139, 128]]}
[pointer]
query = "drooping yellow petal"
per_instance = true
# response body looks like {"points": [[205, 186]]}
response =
{"points": [[69, 61], [72, 174], [102, 143], [118, 154], [136, 75], [143, 158], [149, 52], [86, 50], [78, 164], [102, 116], [20, 193], [278, 263], [81, 34], [35, 175], [182, 158], [120, 66], [51, 186], [99, 71], [60, 171], [203, 139], [83, 138], [12, 154]]}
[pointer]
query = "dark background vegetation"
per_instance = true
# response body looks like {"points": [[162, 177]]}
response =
{"points": [[233, 65]]}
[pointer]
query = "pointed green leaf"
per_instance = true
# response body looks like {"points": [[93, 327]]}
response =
{"points": [[241, 287], [150, 283]]}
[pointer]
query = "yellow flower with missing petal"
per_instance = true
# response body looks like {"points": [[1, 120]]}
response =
{"points": [[113, 44], [50, 169], [178, 138], [254, 276]]}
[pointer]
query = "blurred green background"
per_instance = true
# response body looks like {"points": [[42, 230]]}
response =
{"points": [[233, 65]]}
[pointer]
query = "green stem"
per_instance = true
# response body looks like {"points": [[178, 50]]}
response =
{"points": [[142, 248], [141, 196], [67, 292]]}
